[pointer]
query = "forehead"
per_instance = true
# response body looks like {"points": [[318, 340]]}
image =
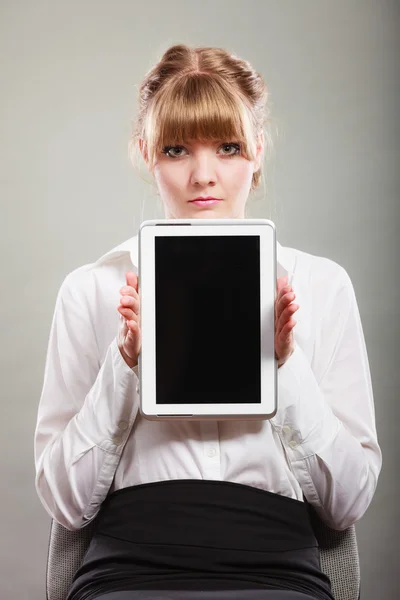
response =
{"points": [[211, 143], [202, 118], [198, 133]]}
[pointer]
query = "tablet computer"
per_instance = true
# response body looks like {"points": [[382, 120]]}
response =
{"points": [[207, 294]]}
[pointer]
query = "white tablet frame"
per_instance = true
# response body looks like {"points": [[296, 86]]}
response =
{"points": [[265, 229]]}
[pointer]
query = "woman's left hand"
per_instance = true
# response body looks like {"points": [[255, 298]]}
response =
{"points": [[284, 310]]}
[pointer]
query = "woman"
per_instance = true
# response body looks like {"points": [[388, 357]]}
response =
{"points": [[212, 506]]}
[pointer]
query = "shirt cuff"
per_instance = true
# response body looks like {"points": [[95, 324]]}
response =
{"points": [[304, 420]]}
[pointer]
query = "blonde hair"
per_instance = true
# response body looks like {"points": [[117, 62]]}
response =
{"points": [[203, 94]]}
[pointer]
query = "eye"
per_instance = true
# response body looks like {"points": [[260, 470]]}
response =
{"points": [[231, 149], [173, 151]]}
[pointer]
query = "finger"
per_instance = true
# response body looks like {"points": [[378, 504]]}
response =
{"points": [[128, 314], [133, 331], [283, 320], [130, 302], [132, 279], [283, 302], [285, 339], [286, 289], [287, 315], [286, 333], [128, 290], [280, 283], [281, 294], [285, 299], [133, 326]]}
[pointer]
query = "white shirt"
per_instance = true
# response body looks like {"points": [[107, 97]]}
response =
{"points": [[90, 438]]}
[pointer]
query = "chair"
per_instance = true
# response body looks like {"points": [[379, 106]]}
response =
{"points": [[338, 550]]}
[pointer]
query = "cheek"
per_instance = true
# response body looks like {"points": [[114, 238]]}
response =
{"points": [[168, 179], [241, 179]]}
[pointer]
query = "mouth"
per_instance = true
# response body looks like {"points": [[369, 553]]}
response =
{"points": [[205, 201]]}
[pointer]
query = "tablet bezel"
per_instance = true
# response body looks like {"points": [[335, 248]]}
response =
{"points": [[265, 229]]}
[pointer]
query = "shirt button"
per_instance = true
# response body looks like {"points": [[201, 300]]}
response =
{"points": [[286, 429], [293, 444], [123, 425], [137, 388], [117, 440], [211, 452]]}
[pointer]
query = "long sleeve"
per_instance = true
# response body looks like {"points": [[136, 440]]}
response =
{"points": [[325, 416], [86, 410]]}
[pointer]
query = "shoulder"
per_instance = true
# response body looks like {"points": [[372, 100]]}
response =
{"points": [[322, 286], [316, 270], [325, 295], [102, 275]]}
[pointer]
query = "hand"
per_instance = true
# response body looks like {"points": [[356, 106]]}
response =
{"points": [[129, 334], [284, 309]]}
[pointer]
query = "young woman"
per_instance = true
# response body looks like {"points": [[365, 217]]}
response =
{"points": [[204, 509]]}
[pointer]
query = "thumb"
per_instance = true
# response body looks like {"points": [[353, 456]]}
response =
{"points": [[281, 282], [132, 279]]}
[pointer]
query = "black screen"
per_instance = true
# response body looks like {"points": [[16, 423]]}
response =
{"points": [[207, 291]]}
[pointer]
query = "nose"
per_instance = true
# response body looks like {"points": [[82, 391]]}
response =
{"points": [[203, 171]]}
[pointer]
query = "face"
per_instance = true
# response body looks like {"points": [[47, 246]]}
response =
{"points": [[204, 170]]}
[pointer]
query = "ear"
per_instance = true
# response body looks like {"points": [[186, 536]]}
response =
{"points": [[259, 152]]}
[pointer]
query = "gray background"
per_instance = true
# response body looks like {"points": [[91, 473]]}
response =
{"points": [[70, 72]]}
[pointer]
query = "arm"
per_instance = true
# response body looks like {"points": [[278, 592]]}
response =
{"points": [[86, 410], [326, 417]]}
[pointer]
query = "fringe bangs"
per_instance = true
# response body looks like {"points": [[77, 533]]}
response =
{"points": [[200, 107]]}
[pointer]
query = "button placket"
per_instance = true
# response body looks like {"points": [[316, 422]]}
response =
{"points": [[211, 452]]}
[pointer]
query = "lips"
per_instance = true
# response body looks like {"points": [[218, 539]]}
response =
{"points": [[202, 198], [205, 201]]}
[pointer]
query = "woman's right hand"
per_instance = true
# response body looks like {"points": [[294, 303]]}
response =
{"points": [[129, 334]]}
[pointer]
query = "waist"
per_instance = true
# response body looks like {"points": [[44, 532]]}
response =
{"points": [[206, 513], [199, 534]]}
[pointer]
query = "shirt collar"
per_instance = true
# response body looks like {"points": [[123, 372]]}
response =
{"points": [[284, 259]]}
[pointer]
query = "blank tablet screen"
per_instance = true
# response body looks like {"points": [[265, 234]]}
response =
{"points": [[207, 318]]}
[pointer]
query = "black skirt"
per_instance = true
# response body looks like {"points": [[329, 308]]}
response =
{"points": [[201, 535]]}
